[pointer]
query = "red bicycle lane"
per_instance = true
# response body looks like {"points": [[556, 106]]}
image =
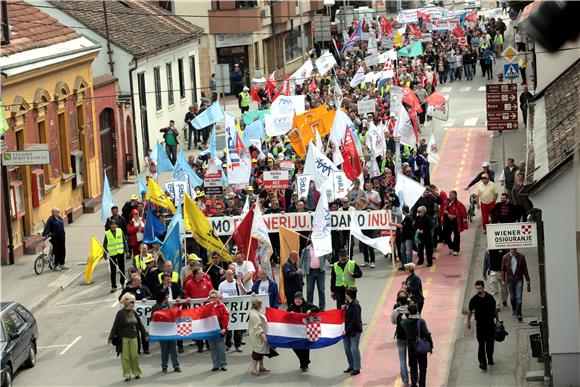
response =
{"points": [[462, 152]]}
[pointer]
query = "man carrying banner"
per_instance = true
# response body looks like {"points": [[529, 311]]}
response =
{"points": [[115, 244], [299, 305], [344, 274]]}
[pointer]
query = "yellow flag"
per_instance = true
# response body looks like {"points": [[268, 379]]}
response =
{"points": [[289, 241], [203, 233], [96, 252], [156, 195]]}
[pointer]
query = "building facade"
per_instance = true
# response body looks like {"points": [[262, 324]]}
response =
{"points": [[48, 97]]}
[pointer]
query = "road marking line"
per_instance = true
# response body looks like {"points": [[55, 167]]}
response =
{"points": [[52, 346], [425, 292], [462, 162], [398, 382], [82, 303], [70, 345], [470, 122], [433, 268], [446, 89], [481, 88], [461, 169], [449, 122], [465, 88], [429, 280]]}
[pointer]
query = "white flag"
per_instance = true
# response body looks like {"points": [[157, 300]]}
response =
{"points": [[318, 166], [264, 250], [376, 140], [238, 170], [383, 244], [404, 129], [318, 140], [321, 227], [358, 77], [337, 95], [302, 186], [432, 151], [408, 190], [341, 184], [325, 63], [303, 73]]}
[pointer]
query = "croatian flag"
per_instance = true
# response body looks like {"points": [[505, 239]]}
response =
{"points": [[304, 331], [199, 323]]}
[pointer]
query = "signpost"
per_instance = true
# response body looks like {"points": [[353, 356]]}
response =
{"points": [[502, 106], [26, 157], [511, 71], [509, 53], [276, 179], [511, 235]]}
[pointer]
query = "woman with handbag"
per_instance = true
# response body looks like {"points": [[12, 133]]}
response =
{"points": [[125, 336], [419, 344], [257, 331]]}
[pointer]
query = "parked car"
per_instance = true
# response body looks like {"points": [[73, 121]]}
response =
{"points": [[472, 4], [18, 337]]}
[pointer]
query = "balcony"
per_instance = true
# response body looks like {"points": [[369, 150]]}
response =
{"points": [[226, 17], [283, 11], [316, 5]]}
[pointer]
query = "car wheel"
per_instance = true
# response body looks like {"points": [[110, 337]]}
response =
{"points": [[7, 376], [31, 361]]}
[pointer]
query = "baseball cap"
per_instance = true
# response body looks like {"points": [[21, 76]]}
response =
{"points": [[133, 197], [148, 259], [246, 88], [485, 164]]}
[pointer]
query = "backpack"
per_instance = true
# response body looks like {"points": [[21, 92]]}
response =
{"points": [[399, 331]]}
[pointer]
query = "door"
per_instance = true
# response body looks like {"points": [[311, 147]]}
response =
{"points": [[232, 56], [108, 143], [13, 324]]}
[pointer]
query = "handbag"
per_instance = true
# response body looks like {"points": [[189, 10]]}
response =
{"points": [[423, 346], [500, 332]]}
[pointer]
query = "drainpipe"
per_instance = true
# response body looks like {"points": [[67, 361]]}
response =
{"points": [[109, 51], [131, 70], [274, 35]]}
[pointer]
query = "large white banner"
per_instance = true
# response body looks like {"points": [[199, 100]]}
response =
{"points": [[383, 244], [325, 63], [321, 228], [238, 306], [318, 166], [279, 121], [302, 221], [303, 72]]}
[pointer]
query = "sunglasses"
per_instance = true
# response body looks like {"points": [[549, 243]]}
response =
{"points": [[131, 302]]}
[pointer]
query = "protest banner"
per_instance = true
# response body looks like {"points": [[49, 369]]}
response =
{"points": [[302, 185], [287, 165], [396, 100], [176, 189], [367, 106], [276, 179], [446, 24], [372, 60], [212, 183], [302, 221], [238, 306]]}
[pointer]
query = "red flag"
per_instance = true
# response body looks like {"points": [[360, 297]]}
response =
{"points": [[254, 94], [386, 26], [471, 17], [242, 236], [411, 99], [312, 87], [352, 166], [415, 122], [413, 29], [425, 16], [284, 90], [271, 84], [239, 144], [458, 32]]}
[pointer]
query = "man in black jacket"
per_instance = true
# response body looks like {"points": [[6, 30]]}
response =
{"points": [[292, 277], [190, 115], [352, 332], [504, 211], [54, 228], [300, 305], [483, 305], [525, 99], [118, 219], [423, 225]]}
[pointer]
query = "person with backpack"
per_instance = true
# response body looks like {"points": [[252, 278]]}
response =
{"points": [[419, 343], [401, 312]]}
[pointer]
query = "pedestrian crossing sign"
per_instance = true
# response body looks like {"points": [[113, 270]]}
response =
{"points": [[511, 71]]}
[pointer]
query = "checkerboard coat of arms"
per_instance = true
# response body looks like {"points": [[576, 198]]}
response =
{"points": [[184, 326], [313, 329]]}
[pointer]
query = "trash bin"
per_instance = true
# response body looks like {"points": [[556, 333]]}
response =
{"points": [[536, 345]]}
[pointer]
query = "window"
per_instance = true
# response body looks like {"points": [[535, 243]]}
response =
{"points": [[157, 80], [64, 143], [24, 312], [192, 79], [12, 322], [293, 45], [77, 164], [142, 92], [181, 78], [16, 199], [38, 187], [169, 72]]}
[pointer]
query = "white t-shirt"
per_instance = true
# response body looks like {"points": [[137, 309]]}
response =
{"points": [[264, 287], [227, 289], [242, 270]]}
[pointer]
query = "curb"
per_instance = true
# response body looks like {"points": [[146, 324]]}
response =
{"points": [[43, 300]]}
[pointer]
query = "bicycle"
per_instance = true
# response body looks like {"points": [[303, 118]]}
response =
{"points": [[46, 257]]}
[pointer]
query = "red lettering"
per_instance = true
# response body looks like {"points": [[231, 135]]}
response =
{"points": [[267, 220], [374, 219], [274, 224], [284, 221]]}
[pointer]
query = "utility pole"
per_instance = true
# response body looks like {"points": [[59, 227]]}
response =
{"points": [[302, 37], [109, 51]]}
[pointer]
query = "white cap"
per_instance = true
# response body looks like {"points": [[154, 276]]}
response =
{"points": [[246, 88], [485, 164]]}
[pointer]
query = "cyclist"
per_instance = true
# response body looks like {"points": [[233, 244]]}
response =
{"points": [[54, 228]]}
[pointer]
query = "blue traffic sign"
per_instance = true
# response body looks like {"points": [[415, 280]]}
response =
{"points": [[511, 71]]}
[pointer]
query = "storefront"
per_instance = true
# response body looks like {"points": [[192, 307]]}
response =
{"points": [[235, 49]]}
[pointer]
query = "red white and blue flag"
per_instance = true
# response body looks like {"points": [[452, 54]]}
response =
{"points": [[199, 323], [304, 331], [354, 38]]}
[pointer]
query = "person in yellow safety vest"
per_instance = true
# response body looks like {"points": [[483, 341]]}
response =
{"points": [[244, 100], [343, 276], [116, 246], [168, 269], [139, 261]]}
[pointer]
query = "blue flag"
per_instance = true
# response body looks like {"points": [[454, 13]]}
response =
{"points": [[163, 162], [171, 248], [141, 184], [154, 228], [255, 130], [414, 49], [209, 116], [107, 200], [183, 169], [211, 144], [177, 221], [253, 115]]}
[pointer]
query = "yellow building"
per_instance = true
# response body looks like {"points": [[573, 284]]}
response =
{"points": [[47, 96]]}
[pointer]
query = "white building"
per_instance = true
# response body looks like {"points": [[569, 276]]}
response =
{"points": [[154, 55]]}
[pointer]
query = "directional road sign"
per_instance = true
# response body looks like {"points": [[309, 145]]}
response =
{"points": [[502, 106], [511, 71]]}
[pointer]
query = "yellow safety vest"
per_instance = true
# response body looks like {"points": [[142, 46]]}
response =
{"points": [[245, 99], [174, 277], [115, 243], [140, 262], [342, 279]]}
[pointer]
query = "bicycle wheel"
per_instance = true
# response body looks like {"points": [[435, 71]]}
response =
{"points": [[50, 261], [39, 264]]}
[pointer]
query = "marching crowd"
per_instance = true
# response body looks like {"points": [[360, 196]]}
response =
{"points": [[437, 216]]}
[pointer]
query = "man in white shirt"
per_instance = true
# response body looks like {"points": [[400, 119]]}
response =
{"points": [[373, 197], [244, 271], [232, 287]]}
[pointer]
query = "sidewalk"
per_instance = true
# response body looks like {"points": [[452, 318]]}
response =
{"points": [[513, 356]]}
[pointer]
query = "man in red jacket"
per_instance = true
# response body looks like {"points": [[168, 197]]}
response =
{"points": [[217, 346], [197, 285], [453, 220]]}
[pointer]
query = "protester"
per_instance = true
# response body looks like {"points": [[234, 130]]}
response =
{"points": [[424, 225], [170, 135], [492, 274], [344, 274], [168, 347], [454, 222], [292, 276], [257, 331], [216, 269], [265, 286], [54, 228], [483, 306], [231, 287], [508, 176], [245, 270], [128, 207], [486, 193], [299, 305], [407, 237], [314, 268], [414, 286], [525, 99], [415, 327], [118, 219], [513, 271], [135, 227], [504, 211], [115, 244], [352, 332], [401, 312], [217, 347], [124, 336]]}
